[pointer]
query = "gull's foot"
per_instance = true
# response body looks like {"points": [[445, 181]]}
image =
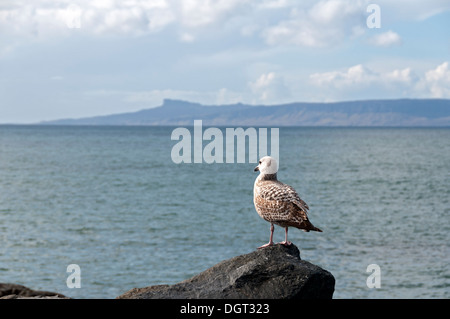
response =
{"points": [[285, 243], [270, 243]]}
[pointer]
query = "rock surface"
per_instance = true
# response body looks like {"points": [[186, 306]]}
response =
{"points": [[15, 291], [275, 272]]}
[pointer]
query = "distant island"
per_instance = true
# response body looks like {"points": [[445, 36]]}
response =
{"points": [[401, 112]]}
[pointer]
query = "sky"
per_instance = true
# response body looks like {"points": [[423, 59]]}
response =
{"points": [[72, 59]]}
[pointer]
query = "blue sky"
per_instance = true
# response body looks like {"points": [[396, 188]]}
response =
{"points": [[70, 59]]}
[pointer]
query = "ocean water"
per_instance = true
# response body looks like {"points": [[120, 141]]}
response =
{"points": [[111, 200]]}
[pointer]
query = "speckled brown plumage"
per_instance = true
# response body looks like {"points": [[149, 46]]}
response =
{"points": [[277, 202], [280, 204]]}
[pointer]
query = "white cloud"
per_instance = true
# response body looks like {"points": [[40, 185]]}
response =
{"points": [[434, 83], [360, 76], [296, 32], [187, 37], [128, 18], [386, 39], [197, 13], [400, 76], [42, 18], [355, 75], [274, 4], [131, 17], [268, 88], [326, 23], [437, 81], [262, 85], [263, 81], [307, 23], [333, 11]]}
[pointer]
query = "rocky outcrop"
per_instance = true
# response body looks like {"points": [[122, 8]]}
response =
{"points": [[275, 272], [14, 291]]}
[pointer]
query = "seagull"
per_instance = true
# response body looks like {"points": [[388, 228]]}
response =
{"points": [[277, 202]]}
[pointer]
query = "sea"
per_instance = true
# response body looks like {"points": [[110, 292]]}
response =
{"points": [[111, 201]]}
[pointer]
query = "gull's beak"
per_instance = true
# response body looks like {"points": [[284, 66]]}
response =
{"points": [[256, 168]]}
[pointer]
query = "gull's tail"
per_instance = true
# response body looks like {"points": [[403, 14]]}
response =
{"points": [[313, 228]]}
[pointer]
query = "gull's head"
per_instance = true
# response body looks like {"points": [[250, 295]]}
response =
{"points": [[267, 165]]}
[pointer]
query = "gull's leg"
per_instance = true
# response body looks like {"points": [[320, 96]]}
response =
{"points": [[285, 242], [270, 243]]}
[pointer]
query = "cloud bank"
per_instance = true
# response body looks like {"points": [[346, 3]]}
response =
{"points": [[433, 83], [306, 23]]}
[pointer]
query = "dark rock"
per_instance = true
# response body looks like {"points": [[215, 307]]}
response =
{"points": [[15, 291], [275, 272]]}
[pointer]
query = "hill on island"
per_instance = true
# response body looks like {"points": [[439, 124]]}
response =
{"points": [[402, 112]]}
